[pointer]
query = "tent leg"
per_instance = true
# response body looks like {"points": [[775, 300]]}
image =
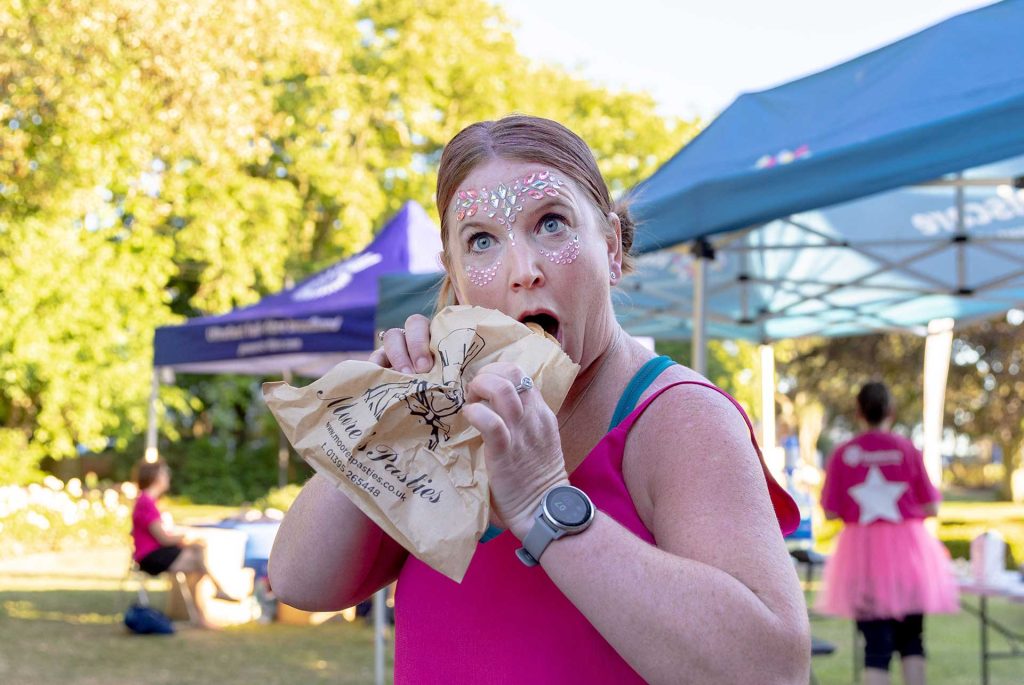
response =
{"points": [[937, 351], [702, 252], [773, 456], [283, 450], [379, 603], [152, 453]]}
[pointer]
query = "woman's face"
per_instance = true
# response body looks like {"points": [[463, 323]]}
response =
{"points": [[163, 479], [524, 240]]}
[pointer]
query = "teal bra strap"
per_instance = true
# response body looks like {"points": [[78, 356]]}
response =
{"points": [[640, 382], [643, 378]]}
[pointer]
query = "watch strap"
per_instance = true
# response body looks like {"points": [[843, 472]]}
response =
{"points": [[537, 540]]}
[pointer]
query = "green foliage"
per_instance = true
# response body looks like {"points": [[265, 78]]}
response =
{"points": [[18, 464], [279, 498], [833, 369], [207, 471], [733, 366], [984, 390], [170, 159]]}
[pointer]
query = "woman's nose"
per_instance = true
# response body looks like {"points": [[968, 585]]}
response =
{"points": [[524, 267]]}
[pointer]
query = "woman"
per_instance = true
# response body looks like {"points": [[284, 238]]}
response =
{"points": [[672, 570], [887, 570], [159, 549]]}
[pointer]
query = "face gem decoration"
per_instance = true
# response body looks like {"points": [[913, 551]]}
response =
{"points": [[566, 255], [481, 277], [504, 202]]}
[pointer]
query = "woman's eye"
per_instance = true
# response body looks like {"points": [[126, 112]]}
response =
{"points": [[552, 223], [481, 242]]}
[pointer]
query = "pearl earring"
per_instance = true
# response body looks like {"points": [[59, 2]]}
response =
{"points": [[612, 273]]}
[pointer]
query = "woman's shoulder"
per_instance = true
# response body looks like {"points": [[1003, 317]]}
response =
{"points": [[691, 407], [688, 442], [698, 391]]}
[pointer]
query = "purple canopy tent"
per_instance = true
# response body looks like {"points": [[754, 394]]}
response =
{"points": [[304, 330]]}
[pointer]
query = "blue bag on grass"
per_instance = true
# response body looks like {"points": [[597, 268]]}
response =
{"points": [[145, 620]]}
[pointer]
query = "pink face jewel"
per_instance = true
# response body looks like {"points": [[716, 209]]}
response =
{"points": [[504, 202], [481, 277], [566, 255]]}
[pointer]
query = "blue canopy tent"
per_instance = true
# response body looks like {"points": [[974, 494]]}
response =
{"points": [[938, 114], [943, 100], [946, 103], [304, 330], [891, 261]]}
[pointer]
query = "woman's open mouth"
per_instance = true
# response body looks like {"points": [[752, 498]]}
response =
{"points": [[545, 320]]}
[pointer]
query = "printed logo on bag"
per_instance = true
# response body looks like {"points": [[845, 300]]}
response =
{"points": [[374, 466]]}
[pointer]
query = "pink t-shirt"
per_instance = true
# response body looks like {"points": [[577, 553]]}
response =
{"points": [[143, 515], [877, 476]]}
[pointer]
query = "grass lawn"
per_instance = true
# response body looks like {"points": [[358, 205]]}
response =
{"points": [[60, 624], [952, 643]]}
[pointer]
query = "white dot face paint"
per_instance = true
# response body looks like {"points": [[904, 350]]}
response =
{"points": [[567, 255], [482, 277]]}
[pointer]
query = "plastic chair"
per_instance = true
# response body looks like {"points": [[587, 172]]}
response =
{"points": [[137, 577]]}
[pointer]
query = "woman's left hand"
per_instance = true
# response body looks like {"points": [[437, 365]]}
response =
{"points": [[521, 443]]}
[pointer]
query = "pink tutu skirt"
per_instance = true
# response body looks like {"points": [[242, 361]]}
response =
{"points": [[888, 570]]}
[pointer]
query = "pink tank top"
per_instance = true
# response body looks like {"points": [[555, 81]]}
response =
{"points": [[506, 623]]}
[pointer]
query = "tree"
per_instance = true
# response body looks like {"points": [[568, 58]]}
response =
{"points": [[170, 159], [733, 366], [984, 389], [985, 392]]}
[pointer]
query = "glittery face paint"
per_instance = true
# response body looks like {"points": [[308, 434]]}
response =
{"points": [[553, 237], [481, 277], [567, 255], [504, 202]]}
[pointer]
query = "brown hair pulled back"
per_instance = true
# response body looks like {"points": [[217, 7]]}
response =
{"points": [[525, 139], [146, 472]]}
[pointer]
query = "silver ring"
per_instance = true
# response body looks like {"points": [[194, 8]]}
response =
{"points": [[525, 384], [380, 336]]}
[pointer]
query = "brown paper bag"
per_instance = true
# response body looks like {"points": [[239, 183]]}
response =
{"points": [[398, 446]]}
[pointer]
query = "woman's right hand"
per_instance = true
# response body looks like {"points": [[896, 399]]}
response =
{"points": [[406, 349]]}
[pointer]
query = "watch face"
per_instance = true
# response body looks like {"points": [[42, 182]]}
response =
{"points": [[568, 507]]}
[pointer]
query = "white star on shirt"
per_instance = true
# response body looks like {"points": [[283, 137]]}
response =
{"points": [[877, 497]]}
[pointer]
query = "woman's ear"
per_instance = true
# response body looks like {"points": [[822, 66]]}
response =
{"points": [[614, 242]]}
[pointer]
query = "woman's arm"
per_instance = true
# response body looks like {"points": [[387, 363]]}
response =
{"points": [[327, 554], [717, 600], [164, 536]]}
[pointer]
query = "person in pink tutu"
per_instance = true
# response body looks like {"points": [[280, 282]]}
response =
{"points": [[887, 570]]}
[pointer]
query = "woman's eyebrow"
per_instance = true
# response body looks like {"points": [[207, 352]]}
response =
{"points": [[475, 224], [550, 202], [531, 209]]}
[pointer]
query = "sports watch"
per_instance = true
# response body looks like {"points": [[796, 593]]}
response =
{"points": [[564, 510]]}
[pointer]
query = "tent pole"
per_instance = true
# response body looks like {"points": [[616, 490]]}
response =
{"points": [[937, 351], [152, 453], [379, 603], [773, 456], [283, 452], [702, 253]]}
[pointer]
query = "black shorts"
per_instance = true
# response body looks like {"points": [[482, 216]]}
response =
{"points": [[159, 560], [883, 637]]}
